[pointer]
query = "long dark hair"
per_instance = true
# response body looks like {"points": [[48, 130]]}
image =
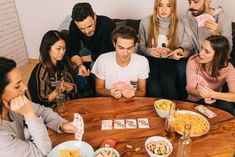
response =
{"points": [[48, 40], [6, 65], [220, 60]]}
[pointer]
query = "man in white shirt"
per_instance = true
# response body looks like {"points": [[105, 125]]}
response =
{"points": [[122, 67]]}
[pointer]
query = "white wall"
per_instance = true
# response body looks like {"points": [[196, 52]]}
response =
{"points": [[39, 16]]}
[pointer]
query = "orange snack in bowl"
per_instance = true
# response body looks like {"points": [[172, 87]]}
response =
{"points": [[164, 105], [69, 153]]}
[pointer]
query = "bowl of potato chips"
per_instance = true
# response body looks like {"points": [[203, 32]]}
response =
{"points": [[72, 149], [199, 124], [162, 107]]}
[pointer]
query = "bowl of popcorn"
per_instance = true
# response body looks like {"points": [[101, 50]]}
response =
{"points": [[106, 152], [158, 146], [162, 107]]}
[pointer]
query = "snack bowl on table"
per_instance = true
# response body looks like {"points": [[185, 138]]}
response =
{"points": [[162, 107], [72, 148], [106, 152], [158, 146]]}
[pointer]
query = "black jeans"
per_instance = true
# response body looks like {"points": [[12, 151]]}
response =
{"points": [[181, 78], [162, 78]]}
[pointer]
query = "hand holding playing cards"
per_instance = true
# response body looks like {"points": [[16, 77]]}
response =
{"points": [[122, 88], [128, 93], [83, 71], [206, 93], [197, 79], [209, 22], [116, 93], [177, 54], [68, 128], [212, 26], [160, 52]]}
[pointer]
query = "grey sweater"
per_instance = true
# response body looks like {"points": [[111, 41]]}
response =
{"points": [[194, 35], [163, 30], [16, 140]]}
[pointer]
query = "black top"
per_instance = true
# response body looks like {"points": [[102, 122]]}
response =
{"points": [[99, 43]]}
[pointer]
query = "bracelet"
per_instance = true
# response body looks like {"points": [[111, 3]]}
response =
{"points": [[180, 48]]}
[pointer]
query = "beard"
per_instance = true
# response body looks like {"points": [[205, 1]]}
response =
{"points": [[197, 12]]}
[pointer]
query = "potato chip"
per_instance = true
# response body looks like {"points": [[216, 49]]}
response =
{"points": [[69, 153]]}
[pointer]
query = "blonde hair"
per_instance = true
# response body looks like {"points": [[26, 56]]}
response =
{"points": [[154, 27]]}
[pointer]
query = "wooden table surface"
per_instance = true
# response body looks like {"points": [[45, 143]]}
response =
{"points": [[218, 142]]}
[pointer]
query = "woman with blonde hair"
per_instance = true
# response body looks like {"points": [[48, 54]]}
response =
{"points": [[160, 36]]}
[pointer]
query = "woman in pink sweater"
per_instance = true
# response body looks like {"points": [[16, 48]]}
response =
{"points": [[214, 70]]}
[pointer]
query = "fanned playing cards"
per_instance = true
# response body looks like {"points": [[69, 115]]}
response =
{"points": [[201, 19], [121, 85], [197, 79], [79, 124], [161, 51]]}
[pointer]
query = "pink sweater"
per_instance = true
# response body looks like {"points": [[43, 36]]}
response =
{"points": [[227, 74]]}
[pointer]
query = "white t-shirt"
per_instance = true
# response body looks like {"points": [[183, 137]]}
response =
{"points": [[106, 68]]}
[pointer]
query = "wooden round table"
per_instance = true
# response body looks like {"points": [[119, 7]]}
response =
{"points": [[218, 142]]}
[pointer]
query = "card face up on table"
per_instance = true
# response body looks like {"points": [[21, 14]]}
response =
{"points": [[204, 110]]}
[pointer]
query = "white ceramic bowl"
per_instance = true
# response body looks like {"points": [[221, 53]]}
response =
{"points": [[161, 112], [155, 139], [85, 148], [106, 149]]}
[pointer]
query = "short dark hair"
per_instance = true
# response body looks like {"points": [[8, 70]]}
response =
{"points": [[81, 11], [48, 40], [220, 45], [124, 32], [6, 65]]}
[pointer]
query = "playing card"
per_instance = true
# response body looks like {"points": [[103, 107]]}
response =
{"points": [[197, 79], [203, 82], [119, 124], [106, 125], [79, 124], [143, 122], [55, 83], [130, 123], [204, 110], [120, 85], [160, 51], [201, 19]]}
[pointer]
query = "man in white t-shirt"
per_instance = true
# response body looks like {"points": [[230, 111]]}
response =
{"points": [[122, 72]]}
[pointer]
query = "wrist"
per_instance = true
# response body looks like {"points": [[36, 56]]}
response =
{"points": [[29, 115], [58, 91], [79, 65]]}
